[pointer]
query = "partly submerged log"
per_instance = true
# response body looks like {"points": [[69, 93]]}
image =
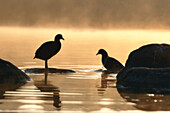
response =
{"points": [[50, 70], [147, 67], [9, 73]]}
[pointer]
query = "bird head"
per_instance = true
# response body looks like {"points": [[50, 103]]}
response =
{"points": [[102, 52], [58, 37]]}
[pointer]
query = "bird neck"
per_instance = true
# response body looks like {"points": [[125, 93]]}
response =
{"points": [[104, 56], [57, 42]]}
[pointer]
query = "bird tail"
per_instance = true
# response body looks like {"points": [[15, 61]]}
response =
{"points": [[34, 57]]}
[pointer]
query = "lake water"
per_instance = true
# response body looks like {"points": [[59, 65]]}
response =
{"points": [[85, 90]]}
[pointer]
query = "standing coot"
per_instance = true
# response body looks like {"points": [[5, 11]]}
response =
{"points": [[48, 50]]}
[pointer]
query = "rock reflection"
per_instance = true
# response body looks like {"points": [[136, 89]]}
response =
{"points": [[147, 100], [8, 87], [47, 87]]}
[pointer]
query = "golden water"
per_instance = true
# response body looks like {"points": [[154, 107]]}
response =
{"points": [[85, 90]]}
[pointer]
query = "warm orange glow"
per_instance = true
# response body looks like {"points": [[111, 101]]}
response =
{"points": [[79, 46]]}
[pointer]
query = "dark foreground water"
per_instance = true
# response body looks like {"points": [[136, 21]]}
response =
{"points": [[83, 91]]}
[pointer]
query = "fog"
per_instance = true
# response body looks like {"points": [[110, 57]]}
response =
{"points": [[97, 14]]}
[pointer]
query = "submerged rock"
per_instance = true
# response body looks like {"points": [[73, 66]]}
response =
{"points": [[9, 73], [145, 77], [147, 67], [50, 70]]}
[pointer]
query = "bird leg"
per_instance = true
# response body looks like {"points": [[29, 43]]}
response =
{"points": [[46, 71]]}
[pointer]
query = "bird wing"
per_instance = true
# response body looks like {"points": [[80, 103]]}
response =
{"points": [[47, 50], [111, 63]]}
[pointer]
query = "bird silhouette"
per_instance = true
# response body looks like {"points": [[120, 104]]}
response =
{"points": [[48, 50], [111, 64]]}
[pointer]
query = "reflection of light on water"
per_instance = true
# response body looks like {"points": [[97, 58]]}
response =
{"points": [[27, 95], [28, 98], [105, 103], [26, 101], [150, 95], [28, 92], [155, 100], [71, 94], [135, 100], [126, 97], [94, 76], [84, 77], [108, 101], [31, 107], [33, 101], [72, 102], [105, 99], [105, 110]]}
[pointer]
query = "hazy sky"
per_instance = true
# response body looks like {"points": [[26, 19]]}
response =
{"points": [[98, 14]]}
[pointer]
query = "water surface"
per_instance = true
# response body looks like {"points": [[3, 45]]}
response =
{"points": [[83, 91]]}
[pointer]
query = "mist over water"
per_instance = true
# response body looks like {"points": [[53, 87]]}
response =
{"points": [[98, 14]]}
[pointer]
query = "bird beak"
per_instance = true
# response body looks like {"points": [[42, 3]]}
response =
{"points": [[62, 38], [97, 53]]}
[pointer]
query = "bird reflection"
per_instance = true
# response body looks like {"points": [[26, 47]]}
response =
{"points": [[105, 82], [147, 100], [48, 50], [56, 99], [50, 88]]}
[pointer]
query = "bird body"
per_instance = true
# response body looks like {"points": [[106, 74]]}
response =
{"points": [[48, 50], [111, 64]]}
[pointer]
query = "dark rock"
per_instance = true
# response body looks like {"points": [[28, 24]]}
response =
{"points": [[152, 56], [50, 70], [147, 67], [145, 77], [9, 73]]}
